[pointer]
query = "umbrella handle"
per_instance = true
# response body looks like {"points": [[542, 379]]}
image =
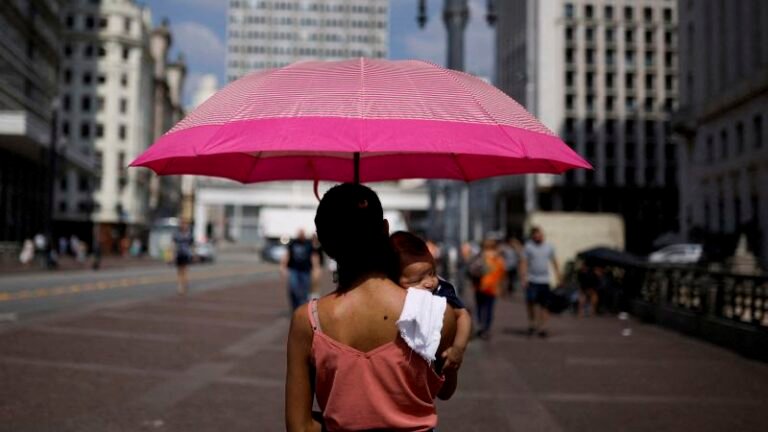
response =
{"points": [[356, 159]]}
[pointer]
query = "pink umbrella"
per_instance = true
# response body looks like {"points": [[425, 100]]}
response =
{"points": [[359, 120]]}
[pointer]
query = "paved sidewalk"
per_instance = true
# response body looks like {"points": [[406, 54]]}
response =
{"points": [[215, 361]]}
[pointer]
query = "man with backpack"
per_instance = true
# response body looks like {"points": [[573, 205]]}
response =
{"points": [[296, 266]]}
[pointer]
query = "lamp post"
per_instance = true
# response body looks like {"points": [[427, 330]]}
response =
{"points": [[455, 18], [52, 167]]}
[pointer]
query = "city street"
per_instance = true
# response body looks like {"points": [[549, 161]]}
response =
{"points": [[119, 351]]}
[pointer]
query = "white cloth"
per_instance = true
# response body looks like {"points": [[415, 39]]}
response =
{"points": [[421, 322]]}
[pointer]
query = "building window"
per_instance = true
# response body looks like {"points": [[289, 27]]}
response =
{"points": [[569, 10], [124, 80], [724, 143], [99, 130], [650, 81], [103, 22], [667, 15], [590, 80], [630, 104], [101, 79], [62, 206], [590, 34], [590, 56], [127, 25], [65, 128], [70, 21], [85, 130], [610, 57], [669, 59], [67, 50], [85, 103], [90, 22], [648, 14], [66, 102], [669, 105], [610, 103], [610, 35], [122, 132], [608, 12], [102, 51], [629, 80], [569, 56], [83, 185], [629, 13], [710, 156], [67, 76], [63, 183], [126, 53], [569, 102], [569, 79], [123, 105], [589, 11], [739, 138], [100, 103], [590, 103], [629, 36], [669, 37], [649, 37], [609, 80], [610, 127], [649, 102], [87, 78], [569, 33], [88, 51], [757, 125], [669, 82]]}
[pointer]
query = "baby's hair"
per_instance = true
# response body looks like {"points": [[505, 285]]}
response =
{"points": [[411, 245]]}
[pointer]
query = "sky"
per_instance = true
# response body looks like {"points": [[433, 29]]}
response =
{"points": [[199, 32]]}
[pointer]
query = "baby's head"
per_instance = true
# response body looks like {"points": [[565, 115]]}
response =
{"points": [[415, 266]]}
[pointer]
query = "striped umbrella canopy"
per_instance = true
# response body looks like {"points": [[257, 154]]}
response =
{"points": [[359, 120]]}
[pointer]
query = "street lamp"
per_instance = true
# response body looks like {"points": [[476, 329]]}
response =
{"points": [[455, 17], [52, 166]]}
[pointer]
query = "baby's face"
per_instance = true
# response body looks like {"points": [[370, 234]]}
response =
{"points": [[419, 274]]}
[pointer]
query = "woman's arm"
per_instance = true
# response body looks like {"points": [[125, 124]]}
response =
{"points": [[298, 386]]}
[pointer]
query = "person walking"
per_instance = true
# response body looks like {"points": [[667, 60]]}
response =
{"points": [[350, 337], [296, 266], [511, 250], [184, 242], [535, 276], [488, 285]]}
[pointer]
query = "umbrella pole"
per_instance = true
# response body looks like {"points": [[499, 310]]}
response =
{"points": [[357, 167]]}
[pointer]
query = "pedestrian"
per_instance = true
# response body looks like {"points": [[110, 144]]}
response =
{"points": [[296, 266], [63, 246], [345, 349], [27, 252], [511, 250], [589, 282], [489, 271], [41, 249], [535, 276], [183, 242]]}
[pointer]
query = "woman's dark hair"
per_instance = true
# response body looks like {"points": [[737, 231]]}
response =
{"points": [[350, 227]]}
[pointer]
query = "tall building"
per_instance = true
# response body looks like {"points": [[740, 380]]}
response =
{"points": [[264, 34], [268, 34], [118, 94], [723, 119], [603, 74], [29, 70]]}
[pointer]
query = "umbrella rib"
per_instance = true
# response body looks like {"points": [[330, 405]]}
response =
{"points": [[461, 168]]}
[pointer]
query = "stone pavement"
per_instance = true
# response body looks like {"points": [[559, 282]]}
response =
{"points": [[215, 362]]}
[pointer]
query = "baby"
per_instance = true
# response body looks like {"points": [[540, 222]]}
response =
{"points": [[416, 269]]}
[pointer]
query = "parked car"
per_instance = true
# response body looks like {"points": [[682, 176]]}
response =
{"points": [[689, 253], [205, 252], [274, 252]]}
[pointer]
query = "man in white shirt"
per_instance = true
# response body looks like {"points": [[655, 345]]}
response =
{"points": [[537, 255]]}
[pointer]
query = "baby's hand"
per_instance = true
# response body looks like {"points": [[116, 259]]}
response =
{"points": [[453, 356]]}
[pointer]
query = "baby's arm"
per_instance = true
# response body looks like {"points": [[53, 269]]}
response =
{"points": [[454, 355]]}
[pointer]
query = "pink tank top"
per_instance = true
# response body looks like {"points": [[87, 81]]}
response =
{"points": [[389, 387]]}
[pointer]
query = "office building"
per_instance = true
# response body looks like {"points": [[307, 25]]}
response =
{"points": [[603, 74], [266, 34], [722, 123]]}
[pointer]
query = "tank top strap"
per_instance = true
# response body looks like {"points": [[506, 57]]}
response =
{"points": [[313, 319]]}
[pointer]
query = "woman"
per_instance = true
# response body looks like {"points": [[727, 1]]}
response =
{"points": [[487, 286], [345, 348]]}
